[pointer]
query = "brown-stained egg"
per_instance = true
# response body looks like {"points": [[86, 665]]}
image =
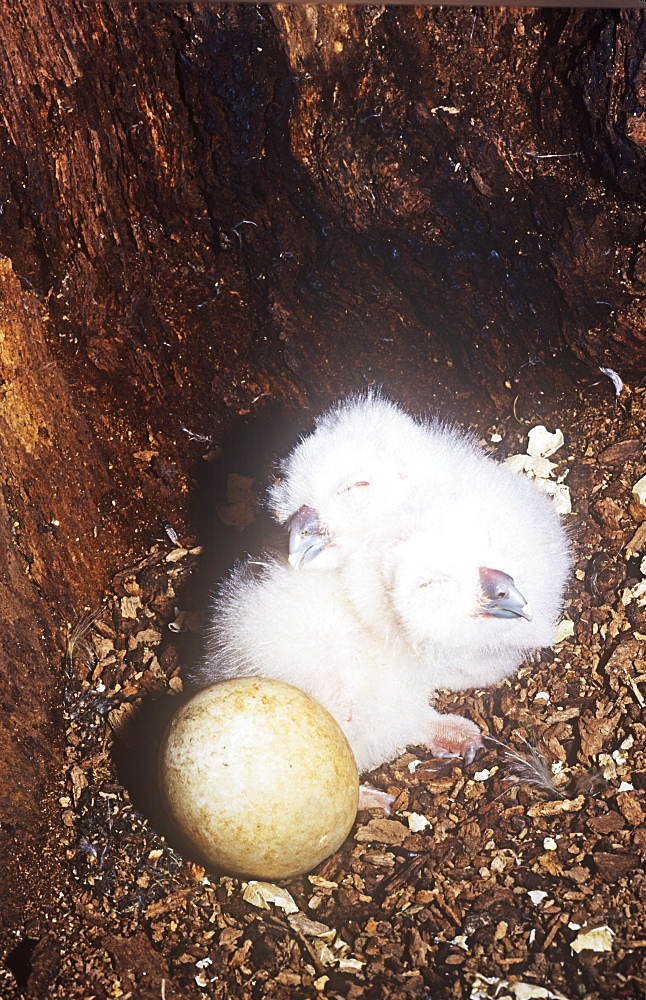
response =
{"points": [[259, 778]]}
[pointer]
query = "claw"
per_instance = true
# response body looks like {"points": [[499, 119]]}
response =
{"points": [[455, 736], [374, 798]]}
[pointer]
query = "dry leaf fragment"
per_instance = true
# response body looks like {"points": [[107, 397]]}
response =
{"points": [[261, 894], [610, 512], [229, 936], [129, 606], [491, 988], [175, 555], [630, 808], [530, 991], [311, 928], [613, 867], [148, 637], [102, 647], [639, 490], [609, 822], [541, 443], [622, 451], [593, 732], [350, 965], [638, 542], [79, 782], [559, 492], [121, 720], [535, 468], [597, 939], [323, 952], [554, 808], [417, 822], [382, 831], [564, 630]]}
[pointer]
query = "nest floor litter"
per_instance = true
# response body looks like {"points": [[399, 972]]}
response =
{"points": [[518, 876]]}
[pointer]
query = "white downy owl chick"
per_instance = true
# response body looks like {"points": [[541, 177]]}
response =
{"points": [[302, 628], [441, 591], [473, 580], [437, 567], [347, 479]]}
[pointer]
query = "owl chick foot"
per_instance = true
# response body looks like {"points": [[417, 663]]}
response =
{"points": [[454, 736]]}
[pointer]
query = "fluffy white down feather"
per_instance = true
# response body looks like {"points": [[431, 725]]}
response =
{"points": [[363, 463], [423, 581], [391, 606], [411, 505], [273, 621]]}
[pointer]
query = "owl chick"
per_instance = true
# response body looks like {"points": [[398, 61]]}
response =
{"points": [[302, 628], [348, 478], [417, 563], [371, 481]]}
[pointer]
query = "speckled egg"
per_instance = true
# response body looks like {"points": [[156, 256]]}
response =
{"points": [[259, 778]]}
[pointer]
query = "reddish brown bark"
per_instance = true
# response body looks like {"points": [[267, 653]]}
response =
{"points": [[210, 209]]}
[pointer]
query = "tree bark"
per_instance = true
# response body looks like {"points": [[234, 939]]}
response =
{"points": [[213, 210]]}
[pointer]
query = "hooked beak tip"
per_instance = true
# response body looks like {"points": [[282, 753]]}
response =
{"points": [[502, 597]]}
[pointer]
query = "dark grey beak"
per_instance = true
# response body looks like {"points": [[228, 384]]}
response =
{"points": [[502, 599], [307, 537]]}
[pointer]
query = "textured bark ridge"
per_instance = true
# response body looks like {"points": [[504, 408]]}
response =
{"points": [[217, 211], [53, 476]]}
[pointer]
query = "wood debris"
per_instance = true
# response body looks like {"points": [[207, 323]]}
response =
{"points": [[480, 884]]}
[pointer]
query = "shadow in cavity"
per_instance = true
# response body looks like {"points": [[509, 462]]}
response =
{"points": [[229, 520], [228, 509], [135, 754], [18, 961]]}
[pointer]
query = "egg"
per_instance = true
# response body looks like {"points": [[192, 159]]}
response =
{"points": [[259, 778]]}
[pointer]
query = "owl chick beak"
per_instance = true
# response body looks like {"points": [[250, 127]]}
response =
{"points": [[501, 597], [307, 537]]}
